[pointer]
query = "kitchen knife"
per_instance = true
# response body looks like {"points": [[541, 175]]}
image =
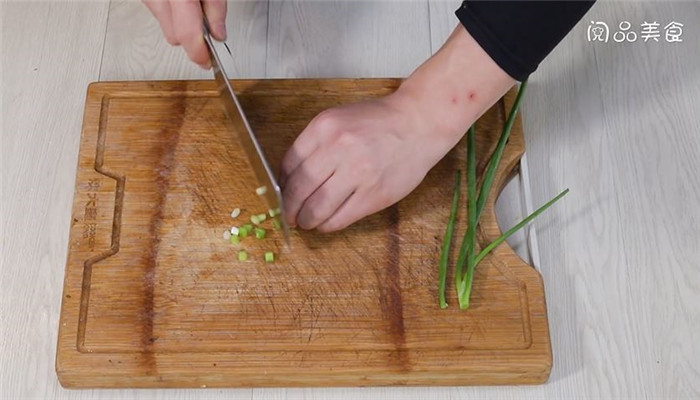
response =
{"points": [[267, 184]]}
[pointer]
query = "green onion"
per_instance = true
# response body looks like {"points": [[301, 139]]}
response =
{"points": [[273, 213], [262, 217], [259, 233], [447, 241], [243, 232], [469, 240], [242, 255], [261, 190], [517, 227], [234, 239], [468, 258], [269, 257], [276, 224], [255, 219], [248, 227], [495, 159]]}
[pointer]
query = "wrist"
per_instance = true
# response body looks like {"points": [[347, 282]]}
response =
{"points": [[451, 90]]}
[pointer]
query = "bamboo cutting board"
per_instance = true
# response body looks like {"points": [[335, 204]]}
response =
{"points": [[154, 297]]}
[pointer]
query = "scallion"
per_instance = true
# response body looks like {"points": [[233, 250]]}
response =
{"points": [[444, 256], [276, 224]]}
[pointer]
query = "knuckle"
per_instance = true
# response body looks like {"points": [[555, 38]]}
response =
{"points": [[327, 125], [171, 39]]}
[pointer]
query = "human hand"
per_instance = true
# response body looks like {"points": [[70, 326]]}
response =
{"points": [[181, 23], [355, 160]]}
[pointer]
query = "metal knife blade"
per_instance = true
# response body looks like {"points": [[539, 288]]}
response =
{"points": [[246, 137]]}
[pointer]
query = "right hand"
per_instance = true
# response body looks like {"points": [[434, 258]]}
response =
{"points": [[181, 23]]}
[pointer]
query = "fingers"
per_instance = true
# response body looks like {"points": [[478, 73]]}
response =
{"points": [[320, 127], [305, 180], [215, 10], [187, 22], [353, 209], [161, 10], [324, 202]]}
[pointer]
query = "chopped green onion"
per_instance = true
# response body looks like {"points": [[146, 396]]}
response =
{"points": [[262, 217], [235, 213], [259, 233], [269, 257], [234, 230], [255, 219], [234, 239], [273, 213], [261, 190], [276, 224], [242, 255], [243, 232], [248, 227]]}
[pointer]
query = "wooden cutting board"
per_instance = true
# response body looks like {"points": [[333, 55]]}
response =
{"points": [[154, 296]]}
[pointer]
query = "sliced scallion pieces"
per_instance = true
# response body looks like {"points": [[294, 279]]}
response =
{"points": [[269, 257], [276, 225], [260, 233], [243, 232], [242, 255]]}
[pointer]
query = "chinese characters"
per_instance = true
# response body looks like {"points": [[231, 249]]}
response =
{"points": [[90, 213], [599, 31]]}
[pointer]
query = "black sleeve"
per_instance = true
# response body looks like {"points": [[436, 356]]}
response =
{"points": [[518, 35]]}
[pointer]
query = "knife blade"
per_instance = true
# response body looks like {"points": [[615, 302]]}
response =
{"points": [[244, 134]]}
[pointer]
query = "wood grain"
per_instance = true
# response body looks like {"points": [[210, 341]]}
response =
{"points": [[40, 137], [625, 140], [152, 289], [594, 357], [136, 50], [340, 38]]}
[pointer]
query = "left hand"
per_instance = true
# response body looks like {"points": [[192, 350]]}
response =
{"points": [[357, 159], [354, 160]]}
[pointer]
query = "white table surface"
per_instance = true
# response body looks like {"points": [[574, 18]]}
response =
{"points": [[619, 124]]}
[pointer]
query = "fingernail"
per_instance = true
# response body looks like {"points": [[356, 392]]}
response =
{"points": [[221, 30]]}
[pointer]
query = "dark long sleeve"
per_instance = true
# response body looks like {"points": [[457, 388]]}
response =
{"points": [[518, 35]]}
